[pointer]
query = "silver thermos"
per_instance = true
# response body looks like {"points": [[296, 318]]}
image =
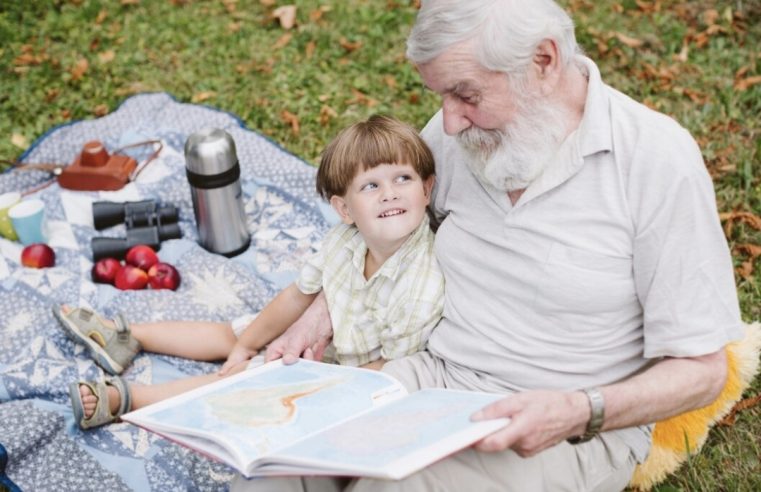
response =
{"points": [[214, 176]]}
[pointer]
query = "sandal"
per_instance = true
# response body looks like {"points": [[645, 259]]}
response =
{"points": [[101, 415], [112, 348]]}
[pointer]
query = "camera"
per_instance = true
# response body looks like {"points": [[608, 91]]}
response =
{"points": [[147, 223], [95, 169]]}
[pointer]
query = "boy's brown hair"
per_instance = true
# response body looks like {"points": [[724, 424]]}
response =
{"points": [[367, 144]]}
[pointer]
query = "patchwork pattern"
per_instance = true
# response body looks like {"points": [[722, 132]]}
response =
{"points": [[37, 361]]}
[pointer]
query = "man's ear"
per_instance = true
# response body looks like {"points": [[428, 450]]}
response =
{"points": [[339, 205], [547, 65]]}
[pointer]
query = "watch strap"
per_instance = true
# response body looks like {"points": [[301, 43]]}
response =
{"points": [[597, 416]]}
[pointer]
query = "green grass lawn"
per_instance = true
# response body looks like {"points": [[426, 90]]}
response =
{"points": [[697, 61]]}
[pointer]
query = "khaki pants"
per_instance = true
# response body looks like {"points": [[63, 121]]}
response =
{"points": [[602, 464]]}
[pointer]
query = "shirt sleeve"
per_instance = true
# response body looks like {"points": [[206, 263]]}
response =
{"points": [[310, 279], [682, 264]]}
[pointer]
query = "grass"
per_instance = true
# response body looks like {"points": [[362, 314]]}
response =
{"points": [[694, 60]]}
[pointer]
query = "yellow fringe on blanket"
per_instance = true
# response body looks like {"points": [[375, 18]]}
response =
{"points": [[675, 438]]}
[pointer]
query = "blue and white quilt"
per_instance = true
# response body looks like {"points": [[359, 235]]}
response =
{"points": [[37, 362]]}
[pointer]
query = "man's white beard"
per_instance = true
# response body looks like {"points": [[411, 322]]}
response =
{"points": [[512, 158]]}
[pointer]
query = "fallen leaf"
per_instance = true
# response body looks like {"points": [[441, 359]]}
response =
{"points": [[348, 45], [748, 218], [267, 3], [752, 250], [290, 119], [326, 114], [133, 88], [79, 69], [101, 16], [710, 16], [282, 41], [741, 405], [628, 41], [94, 44], [390, 81], [317, 14], [130, 2], [745, 84], [26, 59], [683, 54], [230, 5], [414, 98], [361, 98], [202, 96], [100, 110], [309, 49], [51, 94], [323, 97], [286, 15], [745, 270], [66, 114], [234, 27], [106, 56], [19, 140]]}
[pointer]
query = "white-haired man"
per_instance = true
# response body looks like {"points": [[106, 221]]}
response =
{"points": [[586, 271]]}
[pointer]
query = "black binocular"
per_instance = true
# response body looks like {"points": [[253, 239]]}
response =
{"points": [[147, 222]]}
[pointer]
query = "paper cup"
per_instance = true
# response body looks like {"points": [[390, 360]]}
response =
{"points": [[7, 200], [28, 218]]}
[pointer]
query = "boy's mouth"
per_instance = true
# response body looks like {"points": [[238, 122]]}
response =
{"points": [[392, 212]]}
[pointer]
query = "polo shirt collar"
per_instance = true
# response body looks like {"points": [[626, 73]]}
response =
{"points": [[391, 266], [593, 135]]}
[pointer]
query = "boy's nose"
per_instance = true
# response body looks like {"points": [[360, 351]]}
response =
{"points": [[389, 193]]}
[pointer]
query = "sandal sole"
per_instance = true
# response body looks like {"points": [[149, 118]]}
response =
{"points": [[96, 351]]}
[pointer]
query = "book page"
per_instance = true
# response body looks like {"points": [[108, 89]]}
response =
{"points": [[259, 411], [396, 439]]}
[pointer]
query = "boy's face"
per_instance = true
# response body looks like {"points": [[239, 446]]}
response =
{"points": [[387, 203]]}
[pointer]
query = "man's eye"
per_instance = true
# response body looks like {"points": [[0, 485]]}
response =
{"points": [[469, 98], [368, 186]]}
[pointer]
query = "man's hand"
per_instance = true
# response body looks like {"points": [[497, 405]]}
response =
{"points": [[307, 337], [539, 420], [237, 355]]}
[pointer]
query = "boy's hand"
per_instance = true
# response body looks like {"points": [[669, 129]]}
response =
{"points": [[237, 355]]}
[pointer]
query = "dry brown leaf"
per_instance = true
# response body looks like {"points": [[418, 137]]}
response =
{"points": [[390, 81], [745, 84], [100, 110], [326, 114], [414, 98], [101, 16], [323, 97], [362, 98], [617, 8], [286, 14], [290, 119], [628, 40], [317, 14], [348, 45], [26, 59], [19, 140], [745, 270], [133, 88], [130, 2], [683, 54], [267, 3], [51, 94], [741, 405], [710, 17], [202, 96], [748, 218], [65, 114], [752, 250], [234, 27], [230, 5], [310, 49], [282, 41], [79, 69], [106, 56]]}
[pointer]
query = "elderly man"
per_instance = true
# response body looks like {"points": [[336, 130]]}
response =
{"points": [[587, 275]]}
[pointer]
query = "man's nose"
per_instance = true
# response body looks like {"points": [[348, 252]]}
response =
{"points": [[455, 120]]}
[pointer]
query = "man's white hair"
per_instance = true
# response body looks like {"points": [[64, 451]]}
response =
{"points": [[506, 33]]}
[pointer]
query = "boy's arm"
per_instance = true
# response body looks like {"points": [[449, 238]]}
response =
{"points": [[375, 365], [271, 322]]}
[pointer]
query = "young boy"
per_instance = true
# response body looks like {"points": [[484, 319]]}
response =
{"points": [[377, 270]]}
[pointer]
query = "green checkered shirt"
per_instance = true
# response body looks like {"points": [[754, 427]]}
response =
{"points": [[390, 315]]}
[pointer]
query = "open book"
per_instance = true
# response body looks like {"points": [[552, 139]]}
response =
{"points": [[311, 418]]}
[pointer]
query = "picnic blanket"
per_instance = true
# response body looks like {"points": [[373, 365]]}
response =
{"points": [[37, 361]]}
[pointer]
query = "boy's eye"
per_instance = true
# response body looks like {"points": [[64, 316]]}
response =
{"points": [[368, 186], [403, 178]]}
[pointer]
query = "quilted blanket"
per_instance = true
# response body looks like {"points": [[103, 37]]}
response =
{"points": [[37, 362]]}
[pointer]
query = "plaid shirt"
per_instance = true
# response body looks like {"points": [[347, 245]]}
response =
{"points": [[390, 315]]}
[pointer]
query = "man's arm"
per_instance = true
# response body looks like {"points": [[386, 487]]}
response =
{"points": [[307, 336], [541, 419]]}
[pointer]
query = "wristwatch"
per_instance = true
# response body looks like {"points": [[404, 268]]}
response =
{"points": [[597, 405]]}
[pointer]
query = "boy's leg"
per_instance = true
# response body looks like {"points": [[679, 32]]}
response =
{"points": [[143, 395]]}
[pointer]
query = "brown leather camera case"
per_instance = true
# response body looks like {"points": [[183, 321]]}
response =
{"points": [[94, 170]]}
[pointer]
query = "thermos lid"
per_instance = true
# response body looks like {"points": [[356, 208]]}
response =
{"points": [[210, 151]]}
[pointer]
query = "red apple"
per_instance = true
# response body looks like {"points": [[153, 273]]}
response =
{"points": [[104, 271], [163, 276], [130, 278], [141, 256], [38, 256]]}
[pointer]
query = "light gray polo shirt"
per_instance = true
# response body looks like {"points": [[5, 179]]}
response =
{"points": [[614, 256]]}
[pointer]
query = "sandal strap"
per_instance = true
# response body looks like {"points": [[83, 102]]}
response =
{"points": [[122, 328], [125, 397]]}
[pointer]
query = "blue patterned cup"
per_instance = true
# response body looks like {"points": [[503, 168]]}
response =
{"points": [[28, 218]]}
